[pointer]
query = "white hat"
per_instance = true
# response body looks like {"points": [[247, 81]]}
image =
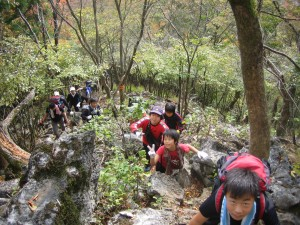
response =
{"points": [[72, 88], [56, 93]]}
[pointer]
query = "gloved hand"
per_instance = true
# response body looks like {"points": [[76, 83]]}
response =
{"points": [[71, 113], [202, 155], [89, 117], [78, 105], [151, 152]]}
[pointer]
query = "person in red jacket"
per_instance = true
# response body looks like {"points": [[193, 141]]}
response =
{"points": [[152, 130]]}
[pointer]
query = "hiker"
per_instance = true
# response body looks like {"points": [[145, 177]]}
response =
{"points": [[61, 102], [170, 156], [239, 202], [73, 99], [172, 118], [152, 130], [86, 92], [57, 117], [91, 110]]}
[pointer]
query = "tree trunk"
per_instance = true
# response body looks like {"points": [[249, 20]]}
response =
{"points": [[12, 152], [285, 111], [251, 50]]}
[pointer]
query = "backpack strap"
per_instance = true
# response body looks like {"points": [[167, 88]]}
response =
{"points": [[180, 155], [262, 206], [218, 198], [150, 138]]}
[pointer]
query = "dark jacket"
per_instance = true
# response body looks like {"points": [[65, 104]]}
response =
{"points": [[88, 110], [174, 122], [73, 100], [55, 114]]}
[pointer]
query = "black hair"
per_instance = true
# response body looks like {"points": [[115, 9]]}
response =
{"points": [[240, 181], [51, 105], [93, 100], [170, 107], [172, 134]]}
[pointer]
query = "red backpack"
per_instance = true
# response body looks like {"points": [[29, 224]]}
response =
{"points": [[56, 99], [245, 161]]}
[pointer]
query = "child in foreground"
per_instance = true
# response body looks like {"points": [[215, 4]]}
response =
{"points": [[170, 156], [239, 204]]}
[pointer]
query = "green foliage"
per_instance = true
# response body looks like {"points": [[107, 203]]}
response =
{"points": [[20, 69], [104, 127], [202, 122], [207, 123], [69, 212], [24, 66], [157, 202], [120, 180], [138, 109]]}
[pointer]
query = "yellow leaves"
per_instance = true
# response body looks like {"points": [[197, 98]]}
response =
{"points": [[31, 204]]}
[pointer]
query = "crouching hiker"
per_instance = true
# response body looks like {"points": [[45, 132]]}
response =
{"points": [[57, 116], [73, 99], [170, 156], [239, 203], [91, 110]]}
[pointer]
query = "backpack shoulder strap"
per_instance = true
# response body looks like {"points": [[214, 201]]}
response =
{"points": [[262, 205], [218, 198]]}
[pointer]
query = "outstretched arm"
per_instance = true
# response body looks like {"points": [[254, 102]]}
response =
{"points": [[201, 154], [198, 219], [153, 162], [43, 119], [192, 148]]}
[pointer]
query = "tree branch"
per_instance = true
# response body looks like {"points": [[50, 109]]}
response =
{"points": [[281, 53], [7, 145], [281, 17], [35, 39]]}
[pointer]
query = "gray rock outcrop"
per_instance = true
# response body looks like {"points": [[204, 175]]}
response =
{"points": [[60, 186]]}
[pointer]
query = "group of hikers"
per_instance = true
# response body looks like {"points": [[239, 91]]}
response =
{"points": [[59, 106], [238, 199]]}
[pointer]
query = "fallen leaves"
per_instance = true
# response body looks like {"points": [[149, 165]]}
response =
{"points": [[31, 204]]}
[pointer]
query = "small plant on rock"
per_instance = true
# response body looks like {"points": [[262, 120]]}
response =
{"points": [[120, 181]]}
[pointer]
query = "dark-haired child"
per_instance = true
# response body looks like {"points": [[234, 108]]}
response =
{"points": [[170, 156], [91, 110], [172, 118], [239, 204]]}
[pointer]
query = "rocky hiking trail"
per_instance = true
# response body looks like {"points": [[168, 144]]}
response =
{"points": [[61, 183]]}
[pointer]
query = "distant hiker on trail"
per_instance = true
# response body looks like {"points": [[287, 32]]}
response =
{"points": [[73, 99], [152, 130], [170, 156], [238, 203], [86, 92], [91, 110], [57, 116], [172, 118]]}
